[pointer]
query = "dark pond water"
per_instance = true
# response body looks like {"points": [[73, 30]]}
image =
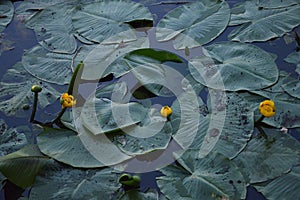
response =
{"points": [[24, 39]]}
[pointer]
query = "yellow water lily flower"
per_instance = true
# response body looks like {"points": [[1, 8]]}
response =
{"points": [[166, 111], [67, 101], [267, 108]]}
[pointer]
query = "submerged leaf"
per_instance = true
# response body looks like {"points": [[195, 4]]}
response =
{"points": [[6, 13], [21, 167], [15, 91], [10, 139], [263, 159], [101, 20], [194, 24], [212, 177], [294, 58], [261, 24], [233, 66], [48, 66]]}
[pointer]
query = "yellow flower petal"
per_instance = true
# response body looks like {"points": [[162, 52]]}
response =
{"points": [[267, 108], [166, 111]]}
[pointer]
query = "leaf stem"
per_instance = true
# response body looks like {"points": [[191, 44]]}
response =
{"points": [[36, 97]]}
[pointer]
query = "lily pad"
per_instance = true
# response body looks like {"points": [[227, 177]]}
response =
{"points": [[48, 66], [212, 177], [105, 54], [232, 66], [261, 24], [194, 24], [277, 3], [294, 58], [6, 13], [283, 187], [10, 139], [292, 88], [98, 21], [21, 167], [66, 146], [53, 28], [263, 159], [15, 91], [154, 133], [105, 116]]}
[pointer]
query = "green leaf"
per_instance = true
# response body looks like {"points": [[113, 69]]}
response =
{"points": [[194, 24], [70, 148], [259, 24], [265, 159], [102, 115], [48, 66], [292, 88], [6, 45], [233, 66], [157, 55], [69, 183], [136, 195], [277, 3], [104, 54], [53, 28], [212, 177], [154, 133], [294, 58], [21, 167], [6, 13], [10, 139], [283, 187], [15, 91], [98, 21]]}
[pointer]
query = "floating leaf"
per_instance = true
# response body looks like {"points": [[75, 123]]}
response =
{"points": [[104, 116], [294, 58], [277, 3], [21, 167], [98, 21], [292, 88], [53, 28], [6, 45], [265, 159], [194, 24], [10, 139], [232, 66], [6, 13], [48, 66], [69, 183], [212, 177], [66, 146], [15, 91], [101, 56], [153, 134], [283, 187], [259, 24]]}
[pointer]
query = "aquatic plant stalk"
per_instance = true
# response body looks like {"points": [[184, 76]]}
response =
{"points": [[36, 96]]}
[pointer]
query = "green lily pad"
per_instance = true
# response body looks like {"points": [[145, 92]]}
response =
{"points": [[232, 66], [212, 177], [98, 21], [283, 187], [277, 3], [48, 66], [294, 58], [53, 28], [292, 88], [105, 54], [6, 13], [21, 167], [10, 139], [263, 160], [154, 134], [259, 24], [16, 95], [66, 146], [194, 24], [105, 116]]}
